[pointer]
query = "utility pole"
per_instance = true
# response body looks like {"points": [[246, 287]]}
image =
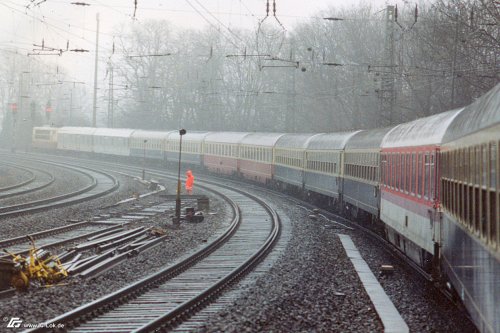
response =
{"points": [[94, 109], [387, 93], [110, 97], [454, 63]]}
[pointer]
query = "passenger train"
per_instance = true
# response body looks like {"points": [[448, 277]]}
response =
{"points": [[432, 185]]}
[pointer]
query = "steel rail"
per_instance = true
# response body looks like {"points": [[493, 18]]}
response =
{"points": [[140, 288], [66, 199], [80, 314], [23, 183], [29, 190]]}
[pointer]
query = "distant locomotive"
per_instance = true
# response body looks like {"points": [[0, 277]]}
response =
{"points": [[432, 184]]}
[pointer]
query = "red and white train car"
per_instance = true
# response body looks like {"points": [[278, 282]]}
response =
{"points": [[410, 187], [256, 156], [221, 150]]}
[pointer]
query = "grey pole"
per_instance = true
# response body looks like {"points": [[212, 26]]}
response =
{"points": [[177, 218], [94, 117]]}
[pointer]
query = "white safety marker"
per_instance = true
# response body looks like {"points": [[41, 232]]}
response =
{"points": [[387, 312]]}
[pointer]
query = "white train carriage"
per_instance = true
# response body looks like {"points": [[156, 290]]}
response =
{"points": [[45, 137], [255, 160], [470, 232], [324, 162], [221, 152], [148, 144], [361, 192], [112, 141], [289, 160], [76, 138], [192, 147], [409, 191]]}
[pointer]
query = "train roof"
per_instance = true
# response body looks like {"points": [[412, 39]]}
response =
{"points": [[226, 137], [481, 114], [114, 132], [143, 134], [421, 132], [77, 130], [329, 140], [45, 128], [189, 136], [367, 139], [262, 139], [296, 140]]}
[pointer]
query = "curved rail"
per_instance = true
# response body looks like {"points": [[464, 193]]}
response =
{"points": [[23, 183], [37, 188], [191, 283], [101, 184]]}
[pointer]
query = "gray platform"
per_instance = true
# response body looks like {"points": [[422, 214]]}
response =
{"points": [[387, 312]]}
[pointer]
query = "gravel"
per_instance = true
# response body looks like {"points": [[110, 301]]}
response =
{"points": [[10, 176], [302, 291], [311, 288], [66, 181], [40, 304]]}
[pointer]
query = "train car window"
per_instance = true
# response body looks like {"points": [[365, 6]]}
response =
{"points": [[392, 170], [390, 173], [432, 179], [420, 175], [493, 163], [408, 173], [396, 171], [427, 176], [403, 172], [485, 165]]}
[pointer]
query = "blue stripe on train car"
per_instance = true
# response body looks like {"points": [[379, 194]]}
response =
{"points": [[467, 261], [289, 175], [321, 183], [362, 195], [187, 158], [154, 154]]}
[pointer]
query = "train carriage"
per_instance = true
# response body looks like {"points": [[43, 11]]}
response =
{"points": [[192, 147], [470, 234], [361, 172], [45, 137], [148, 144], [289, 160], [76, 139], [113, 141], [323, 164], [256, 156], [221, 150], [409, 192]]}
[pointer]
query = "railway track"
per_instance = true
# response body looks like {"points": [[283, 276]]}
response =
{"points": [[30, 178], [100, 185], [40, 179], [167, 297]]}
